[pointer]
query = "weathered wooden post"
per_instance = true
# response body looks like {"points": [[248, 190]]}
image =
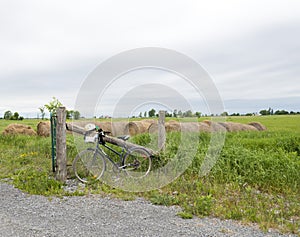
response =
{"points": [[161, 130], [61, 148]]}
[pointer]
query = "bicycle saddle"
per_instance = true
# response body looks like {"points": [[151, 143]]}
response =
{"points": [[124, 138]]}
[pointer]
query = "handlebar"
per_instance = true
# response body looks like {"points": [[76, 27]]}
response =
{"points": [[101, 134]]}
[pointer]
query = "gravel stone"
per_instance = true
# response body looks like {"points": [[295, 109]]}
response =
{"points": [[33, 215]]}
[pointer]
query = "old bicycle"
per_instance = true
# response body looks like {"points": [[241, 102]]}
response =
{"points": [[90, 164]]}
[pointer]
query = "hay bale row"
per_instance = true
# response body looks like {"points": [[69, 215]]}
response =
{"points": [[207, 126], [143, 126], [151, 126]]}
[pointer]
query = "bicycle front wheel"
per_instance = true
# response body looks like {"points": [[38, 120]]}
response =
{"points": [[137, 162], [89, 165]]}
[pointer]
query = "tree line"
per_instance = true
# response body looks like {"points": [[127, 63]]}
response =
{"points": [[182, 114], [270, 111], [73, 114]]}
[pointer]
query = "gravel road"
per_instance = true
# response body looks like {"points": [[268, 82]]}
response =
{"points": [[32, 215]]}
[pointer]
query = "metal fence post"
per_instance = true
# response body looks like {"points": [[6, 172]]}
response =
{"points": [[61, 148]]}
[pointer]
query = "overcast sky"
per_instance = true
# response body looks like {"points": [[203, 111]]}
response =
{"points": [[250, 48]]}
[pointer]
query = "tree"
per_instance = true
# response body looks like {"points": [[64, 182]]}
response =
{"points": [[53, 105], [264, 112], [198, 114], [179, 113], [76, 115], [281, 112], [167, 114], [175, 113], [188, 114], [42, 110], [235, 114], [7, 115], [271, 112], [15, 116], [151, 113], [70, 114]]}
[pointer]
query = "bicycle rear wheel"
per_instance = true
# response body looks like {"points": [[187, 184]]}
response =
{"points": [[89, 165], [137, 163]]}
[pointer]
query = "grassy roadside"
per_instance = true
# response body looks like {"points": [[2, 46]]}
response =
{"points": [[256, 179]]}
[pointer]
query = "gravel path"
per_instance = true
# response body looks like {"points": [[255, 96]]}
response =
{"points": [[31, 215]]}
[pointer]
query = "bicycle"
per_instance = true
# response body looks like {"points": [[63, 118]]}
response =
{"points": [[90, 164]]}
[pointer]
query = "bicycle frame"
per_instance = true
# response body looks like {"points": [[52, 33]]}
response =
{"points": [[100, 142], [120, 154]]}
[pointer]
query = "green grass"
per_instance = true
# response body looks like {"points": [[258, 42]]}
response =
{"points": [[256, 179]]}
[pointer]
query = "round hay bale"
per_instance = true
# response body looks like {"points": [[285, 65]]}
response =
{"points": [[190, 127], [258, 126], [43, 129], [236, 127], [214, 126], [118, 128], [170, 126], [203, 127], [137, 127], [14, 129], [247, 127], [105, 126], [173, 126], [153, 127]]}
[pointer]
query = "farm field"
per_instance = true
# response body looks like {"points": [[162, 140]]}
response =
{"points": [[256, 179]]}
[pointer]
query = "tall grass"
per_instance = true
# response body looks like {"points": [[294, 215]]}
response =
{"points": [[256, 178]]}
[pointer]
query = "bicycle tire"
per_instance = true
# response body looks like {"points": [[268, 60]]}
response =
{"points": [[89, 165], [137, 163]]}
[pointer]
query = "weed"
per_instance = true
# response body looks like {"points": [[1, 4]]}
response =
{"points": [[185, 215]]}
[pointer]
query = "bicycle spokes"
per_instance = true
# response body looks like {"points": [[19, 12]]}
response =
{"points": [[137, 163]]}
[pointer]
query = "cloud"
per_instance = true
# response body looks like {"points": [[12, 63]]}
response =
{"points": [[260, 64], [251, 48]]}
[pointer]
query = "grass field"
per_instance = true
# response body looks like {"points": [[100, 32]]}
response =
{"points": [[256, 179]]}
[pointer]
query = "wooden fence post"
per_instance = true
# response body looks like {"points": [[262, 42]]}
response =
{"points": [[61, 148], [161, 130]]}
